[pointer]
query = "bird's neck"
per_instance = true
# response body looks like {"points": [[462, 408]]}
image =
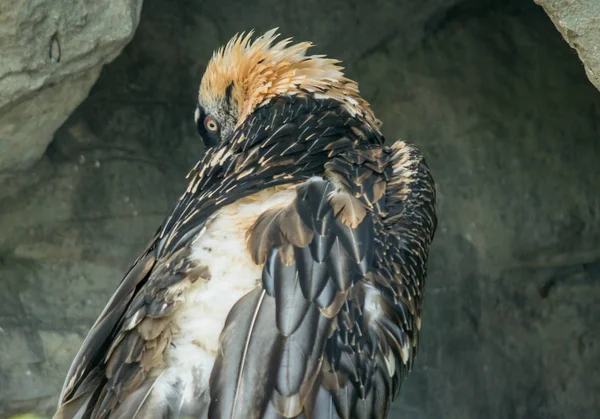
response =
{"points": [[290, 140]]}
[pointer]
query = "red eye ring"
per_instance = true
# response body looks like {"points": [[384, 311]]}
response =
{"points": [[211, 124]]}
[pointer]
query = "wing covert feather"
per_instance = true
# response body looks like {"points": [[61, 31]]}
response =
{"points": [[373, 347]]}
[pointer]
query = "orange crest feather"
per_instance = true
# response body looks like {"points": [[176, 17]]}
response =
{"points": [[260, 70]]}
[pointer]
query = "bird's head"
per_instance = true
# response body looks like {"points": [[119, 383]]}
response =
{"points": [[247, 74]]}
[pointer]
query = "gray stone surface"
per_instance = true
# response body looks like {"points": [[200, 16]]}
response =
{"points": [[500, 106], [52, 53], [579, 23]]}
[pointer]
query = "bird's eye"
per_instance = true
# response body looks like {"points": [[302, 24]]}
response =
{"points": [[211, 124]]}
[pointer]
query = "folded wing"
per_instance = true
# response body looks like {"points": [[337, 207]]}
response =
{"points": [[334, 327]]}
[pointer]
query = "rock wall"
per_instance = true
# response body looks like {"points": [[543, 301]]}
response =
{"points": [[499, 104], [579, 23], [52, 53]]}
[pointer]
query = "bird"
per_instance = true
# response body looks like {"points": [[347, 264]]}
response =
{"points": [[287, 281]]}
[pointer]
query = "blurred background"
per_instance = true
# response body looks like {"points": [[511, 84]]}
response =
{"points": [[97, 134]]}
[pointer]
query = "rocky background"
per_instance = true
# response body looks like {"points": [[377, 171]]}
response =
{"points": [[495, 97]]}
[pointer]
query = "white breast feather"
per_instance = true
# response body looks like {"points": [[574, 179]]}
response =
{"points": [[222, 248]]}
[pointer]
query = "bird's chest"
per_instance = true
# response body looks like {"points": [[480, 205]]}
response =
{"points": [[221, 247]]}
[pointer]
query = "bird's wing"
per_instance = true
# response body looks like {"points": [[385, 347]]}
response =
{"points": [[333, 328], [376, 334], [128, 340]]}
